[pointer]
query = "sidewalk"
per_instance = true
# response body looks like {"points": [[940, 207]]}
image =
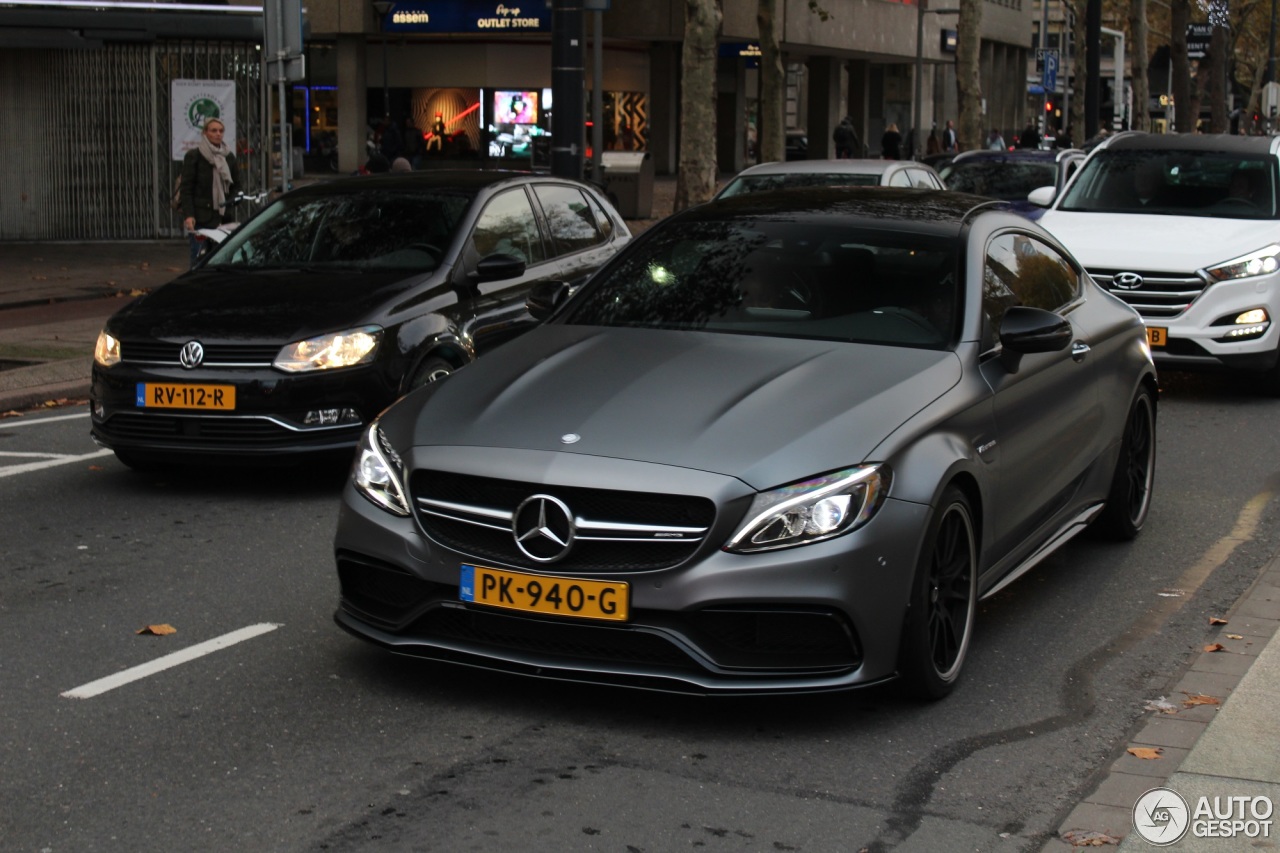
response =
{"points": [[55, 297]]}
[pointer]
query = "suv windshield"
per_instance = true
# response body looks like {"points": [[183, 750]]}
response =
{"points": [[383, 229], [785, 279], [1009, 180], [1178, 183]]}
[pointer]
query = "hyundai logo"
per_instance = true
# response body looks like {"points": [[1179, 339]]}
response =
{"points": [[192, 354], [1127, 280], [543, 528]]}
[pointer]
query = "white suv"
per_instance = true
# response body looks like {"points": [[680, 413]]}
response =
{"points": [[1184, 229]]}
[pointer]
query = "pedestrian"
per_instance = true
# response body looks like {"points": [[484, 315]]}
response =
{"points": [[209, 181], [933, 146], [950, 143], [1030, 137], [891, 143], [411, 145], [400, 164], [845, 138], [390, 144], [995, 141]]}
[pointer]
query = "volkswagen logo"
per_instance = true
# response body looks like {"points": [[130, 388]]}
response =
{"points": [[192, 354], [1127, 280], [543, 528]]}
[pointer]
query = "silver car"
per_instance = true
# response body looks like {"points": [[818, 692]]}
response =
{"points": [[846, 173], [784, 442]]}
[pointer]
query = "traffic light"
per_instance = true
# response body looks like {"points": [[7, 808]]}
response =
{"points": [[1048, 106]]}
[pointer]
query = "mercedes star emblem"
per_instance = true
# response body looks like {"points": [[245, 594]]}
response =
{"points": [[192, 354], [543, 528]]}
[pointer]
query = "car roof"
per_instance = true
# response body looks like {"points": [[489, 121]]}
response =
{"points": [[825, 167], [922, 211], [465, 180], [1032, 154], [1226, 143]]}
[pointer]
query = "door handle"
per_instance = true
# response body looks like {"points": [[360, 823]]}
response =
{"points": [[1079, 350]]}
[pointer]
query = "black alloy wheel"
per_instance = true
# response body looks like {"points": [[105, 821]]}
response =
{"points": [[939, 622], [432, 370], [1129, 500]]}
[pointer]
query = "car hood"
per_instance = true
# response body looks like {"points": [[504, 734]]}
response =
{"points": [[1154, 242], [267, 305], [765, 410]]}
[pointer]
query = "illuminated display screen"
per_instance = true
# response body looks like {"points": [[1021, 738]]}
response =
{"points": [[515, 107]]}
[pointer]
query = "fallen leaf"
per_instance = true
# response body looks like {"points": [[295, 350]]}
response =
{"points": [[137, 292], [12, 413], [39, 278], [1235, 636], [174, 269], [157, 630], [95, 467], [1214, 647], [1146, 753], [1217, 620], [1080, 838], [1200, 699]]}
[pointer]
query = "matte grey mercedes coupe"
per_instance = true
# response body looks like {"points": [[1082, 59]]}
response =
{"points": [[784, 442]]}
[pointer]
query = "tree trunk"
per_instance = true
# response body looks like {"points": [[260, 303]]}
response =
{"points": [[696, 179], [1078, 65], [1218, 67], [771, 132], [971, 131], [1140, 120], [1184, 115]]}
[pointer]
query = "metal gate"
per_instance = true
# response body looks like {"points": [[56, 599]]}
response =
{"points": [[86, 135]]}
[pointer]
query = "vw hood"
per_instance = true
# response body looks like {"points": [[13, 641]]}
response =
{"points": [[765, 410], [1156, 243], [266, 305]]}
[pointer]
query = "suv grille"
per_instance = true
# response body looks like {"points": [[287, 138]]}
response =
{"points": [[616, 531], [1159, 296]]}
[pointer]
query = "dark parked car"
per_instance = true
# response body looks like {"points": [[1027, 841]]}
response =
{"points": [[320, 311], [783, 442], [1011, 175]]}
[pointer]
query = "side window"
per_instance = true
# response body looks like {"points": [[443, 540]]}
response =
{"points": [[900, 179], [507, 226], [602, 218], [569, 216], [1021, 270], [923, 180]]}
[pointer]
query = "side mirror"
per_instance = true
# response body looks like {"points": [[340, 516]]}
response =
{"points": [[545, 298], [1028, 330], [498, 268], [1042, 196]]}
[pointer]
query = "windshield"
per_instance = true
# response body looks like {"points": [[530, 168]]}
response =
{"points": [[762, 183], [784, 279], [1006, 180], [1179, 183], [379, 229]]}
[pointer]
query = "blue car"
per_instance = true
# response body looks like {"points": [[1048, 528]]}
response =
{"points": [[1011, 175]]}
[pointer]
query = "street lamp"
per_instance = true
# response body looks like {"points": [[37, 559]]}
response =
{"points": [[382, 8], [915, 120]]}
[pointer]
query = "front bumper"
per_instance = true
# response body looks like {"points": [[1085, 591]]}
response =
{"points": [[269, 419], [1199, 337], [821, 617]]}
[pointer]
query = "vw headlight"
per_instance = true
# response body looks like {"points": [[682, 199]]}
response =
{"points": [[1260, 262], [328, 352], [107, 350], [813, 510], [378, 470]]}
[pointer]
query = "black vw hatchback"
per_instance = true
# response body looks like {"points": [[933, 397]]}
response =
{"points": [[323, 309]]}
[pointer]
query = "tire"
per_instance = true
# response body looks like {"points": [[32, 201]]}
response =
{"points": [[1129, 500], [433, 369], [939, 621]]}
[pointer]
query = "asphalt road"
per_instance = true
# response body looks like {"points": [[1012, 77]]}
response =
{"points": [[299, 737]]}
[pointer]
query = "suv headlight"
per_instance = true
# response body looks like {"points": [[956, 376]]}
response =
{"points": [[328, 352], [813, 510], [1261, 262], [378, 470], [107, 350]]}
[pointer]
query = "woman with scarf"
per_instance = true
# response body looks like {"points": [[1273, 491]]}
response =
{"points": [[209, 180]]}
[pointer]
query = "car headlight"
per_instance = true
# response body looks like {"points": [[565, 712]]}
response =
{"points": [[107, 350], [1261, 262], [377, 472], [813, 510], [329, 352]]}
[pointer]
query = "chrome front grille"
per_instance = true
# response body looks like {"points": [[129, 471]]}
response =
{"points": [[1158, 295], [614, 531]]}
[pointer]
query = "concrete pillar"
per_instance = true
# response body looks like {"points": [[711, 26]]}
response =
{"points": [[731, 115], [824, 106], [664, 107], [858, 104], [352, 106]]}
